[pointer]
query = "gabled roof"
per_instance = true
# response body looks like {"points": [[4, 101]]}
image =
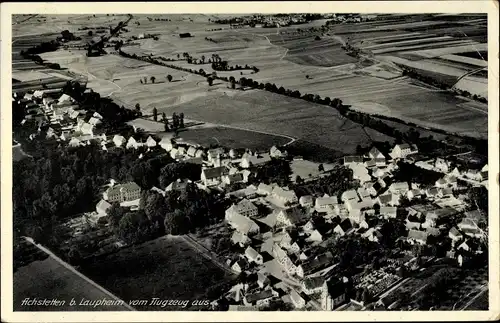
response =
{"points": [[286, 194], [296, 297], [215, 172], [294, 214], [323, 201], [103, 205], [353, 159], [244, 206], [335, 288], [454, 231], [417, 235], [350, 195], [239, 237], [345, 225], [313, 282], [237, 177], [252, 298], [251, 253]]}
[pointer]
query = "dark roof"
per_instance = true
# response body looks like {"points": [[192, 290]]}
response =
{"points": [[346, 225], [353, 159], [259, 296], [295, 214], [335, 288], [215, 172]]}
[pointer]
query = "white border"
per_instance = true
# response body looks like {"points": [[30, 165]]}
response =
{"points": [[7, 9]]}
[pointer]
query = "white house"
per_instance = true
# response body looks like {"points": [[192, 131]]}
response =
{"points": [[244, 208], [297, 300], [349, 195], [166, 144], [213, 176], [253, 256], [388, 211], [322, 204], [283, 196], [65, 99], [119, 140], [265, 189], [403, 150], [306, 200], [290, 216], [375, 153], [277, 153], [95, 121], [455, 235], [442, 165], [150, 142], [248, 161], [132, 143], [399, 188], [74, 142]]}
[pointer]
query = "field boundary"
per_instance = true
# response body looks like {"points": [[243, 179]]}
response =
{"points": [[79, 274]]}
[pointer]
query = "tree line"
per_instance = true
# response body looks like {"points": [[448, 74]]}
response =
{"points": [[372, 121]]}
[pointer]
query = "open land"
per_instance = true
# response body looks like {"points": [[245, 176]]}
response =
{"points": [[166, 268], [49, 279], [296, 61]]}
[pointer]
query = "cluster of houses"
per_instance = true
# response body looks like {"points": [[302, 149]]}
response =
{"points": [[280, 245], [475, 176]]}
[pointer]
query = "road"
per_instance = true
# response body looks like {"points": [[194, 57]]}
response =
{"points": [[76, 272]]}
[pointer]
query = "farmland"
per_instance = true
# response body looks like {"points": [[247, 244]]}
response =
{"points": [[49, 279], [166, 268], [292, 57]]}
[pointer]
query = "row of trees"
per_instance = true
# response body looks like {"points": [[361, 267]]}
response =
{"points": [[223, 66], [426, 144]]}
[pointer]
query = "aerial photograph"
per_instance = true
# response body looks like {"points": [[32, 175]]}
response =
{"points": [[250, 162]]}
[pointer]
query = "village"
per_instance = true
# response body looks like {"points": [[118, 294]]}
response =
{"points": [[283, 237]]}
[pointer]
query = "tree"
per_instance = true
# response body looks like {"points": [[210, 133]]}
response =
{"points": [[155, 114], [181, 120], [203, 58], [137, 107], [145, 80], [175, 121], [153, 79], [74, 256], [210, 81], [233, 84], [321, 168], [166, 127], [169, 78], [163, 117], [299, 180], [90, 33]]}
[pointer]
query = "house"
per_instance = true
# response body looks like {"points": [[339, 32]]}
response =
{"points": [[297, 300], [253, 256], [240, 239], [265, 189], [442, 165], [290, 216], [175, 154], [440, 183], [150, 142], [375, 153], [360, 172], [313, 285], [348, 160], [438, 216], [87, 129], [239, 265], [388, 200], [213, 176], [260, 299], [445, 192], [102, 207], [178, 185], [244, 208], [284, 196], [333, 294], [414, 193], [166, 144], [231, 179], [277, 153], [415, 236], [242, 224], [322, 204], [306, 201], [118, 140], [400, 188], [403, 150], [262, 280], [354, 205], [372, 234], [74, 142], [132, 143], [470, 228], [364, 193], [315, 236], [248, 161], [431, 231], [343, 227], [122, 192], [191, 151], [388, 212], [94, 121], [477, 217], [350, 195], [309, 226], [432, 192], [410, 225], [157, 190], [65, 99]]}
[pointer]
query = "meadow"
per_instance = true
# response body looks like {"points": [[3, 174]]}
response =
{"points": [[166, 268]]}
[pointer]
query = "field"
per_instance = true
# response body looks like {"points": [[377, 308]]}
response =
{"points": [[166, 268], [292, 58], [232, 138], [48, 279]]}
